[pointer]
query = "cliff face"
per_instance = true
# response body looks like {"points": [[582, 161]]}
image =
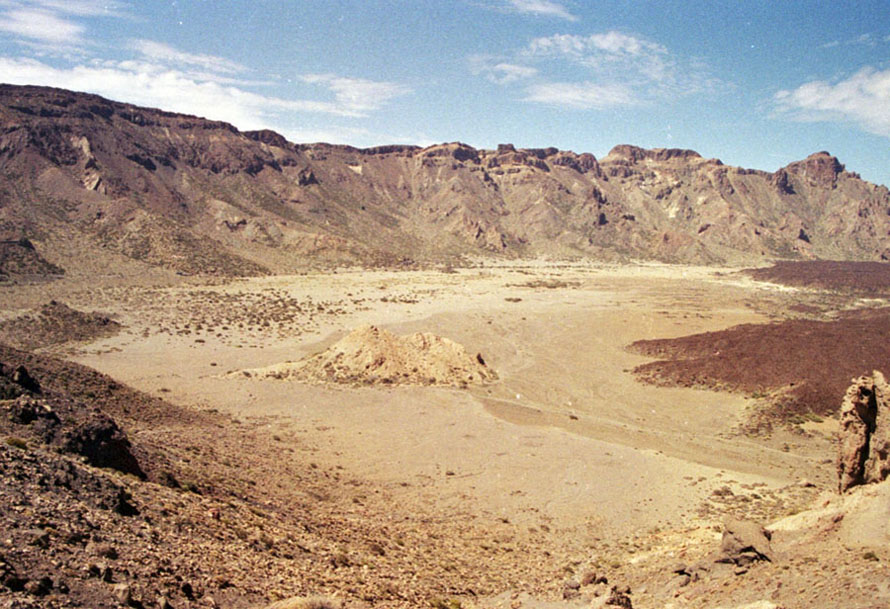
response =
{"points": [[86, 179]]}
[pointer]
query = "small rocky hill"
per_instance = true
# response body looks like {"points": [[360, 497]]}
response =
{"points": [[95, 185], [370, 356], [55, 323]]}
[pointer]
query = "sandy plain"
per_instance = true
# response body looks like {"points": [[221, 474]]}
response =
{"points": [[567, 441]]}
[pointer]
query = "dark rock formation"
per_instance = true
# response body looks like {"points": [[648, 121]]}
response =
{"points": [[103, 443], [864, 440], [15, 382]]}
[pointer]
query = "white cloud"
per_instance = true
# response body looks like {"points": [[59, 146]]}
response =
{"points": [[546, 8], [498, 71], [353, 136], [51, 25], [868, 40], [610, 68], [610, 54], [863, 98], [582, 47], [84, 8], [157, 86], [582, 96], [40, 25], [157, 51], [599, 70], [357, 95], [508, 72]]}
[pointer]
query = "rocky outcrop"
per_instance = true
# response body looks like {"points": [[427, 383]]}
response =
{"points": [[820, 168], [133, 185], [744, 542], [100, 440], [864, 440], [55, 323], [66, 424], [20, 258], [372, 355]]}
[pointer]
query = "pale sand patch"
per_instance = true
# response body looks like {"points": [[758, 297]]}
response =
{"points": [[566, 436]]}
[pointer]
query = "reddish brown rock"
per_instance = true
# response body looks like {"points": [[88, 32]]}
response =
{"points": [[820, 168], [864, 441]]}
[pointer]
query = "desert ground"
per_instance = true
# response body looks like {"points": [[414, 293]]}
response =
{"points": [[567, 464]]}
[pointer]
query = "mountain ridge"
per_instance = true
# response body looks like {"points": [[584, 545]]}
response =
{"points": [[96, 184]]}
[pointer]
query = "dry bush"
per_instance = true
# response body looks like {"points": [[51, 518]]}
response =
{"points": [[305, 602]]}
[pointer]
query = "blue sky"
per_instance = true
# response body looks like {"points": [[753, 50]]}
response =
{"points": [[756, 84]]}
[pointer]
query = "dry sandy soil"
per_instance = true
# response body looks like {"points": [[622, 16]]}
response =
{"points": [[584, 461]]}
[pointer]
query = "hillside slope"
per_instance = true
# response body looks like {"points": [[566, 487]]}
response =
{"points": [[95, 185]]}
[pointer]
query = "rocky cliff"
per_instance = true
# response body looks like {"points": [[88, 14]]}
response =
{"points": [[98, 185]]}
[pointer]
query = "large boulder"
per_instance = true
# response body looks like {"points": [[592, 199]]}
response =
{"points": [[744, 542], [98, 438], [16, 381], [864, 440]]}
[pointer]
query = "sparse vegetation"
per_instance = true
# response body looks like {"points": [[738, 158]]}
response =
{"points": [[310, 602], [445, 603], [16, 442]]}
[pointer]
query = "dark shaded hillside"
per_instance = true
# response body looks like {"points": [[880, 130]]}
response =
{"points": [[87, 180]]}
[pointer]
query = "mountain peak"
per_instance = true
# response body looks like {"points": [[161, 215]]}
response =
{"points": [[820, 167], [635, 154]]}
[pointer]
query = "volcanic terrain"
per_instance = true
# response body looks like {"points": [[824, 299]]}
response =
{"points": [[241, 372]]}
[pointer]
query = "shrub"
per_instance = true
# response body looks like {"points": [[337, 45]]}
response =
{"points": [[17, 443], [305, 602]]}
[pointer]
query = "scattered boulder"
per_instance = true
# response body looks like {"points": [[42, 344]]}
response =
{"points": [[15, 382], [618, 596], [103, 443], [864, 440], [21, 377], [25, 410], [744, 542], [371, 355]]}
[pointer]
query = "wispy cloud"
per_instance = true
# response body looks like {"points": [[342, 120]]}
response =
{"points": [[357, 96], [164, 53], [583, 96], [51, 24], [499, 71], [83, 8], [610, 55], [611, 43], [597, 71], [868, 40], [37, 24], [545, 8], [158, 86], [863, 99]]}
